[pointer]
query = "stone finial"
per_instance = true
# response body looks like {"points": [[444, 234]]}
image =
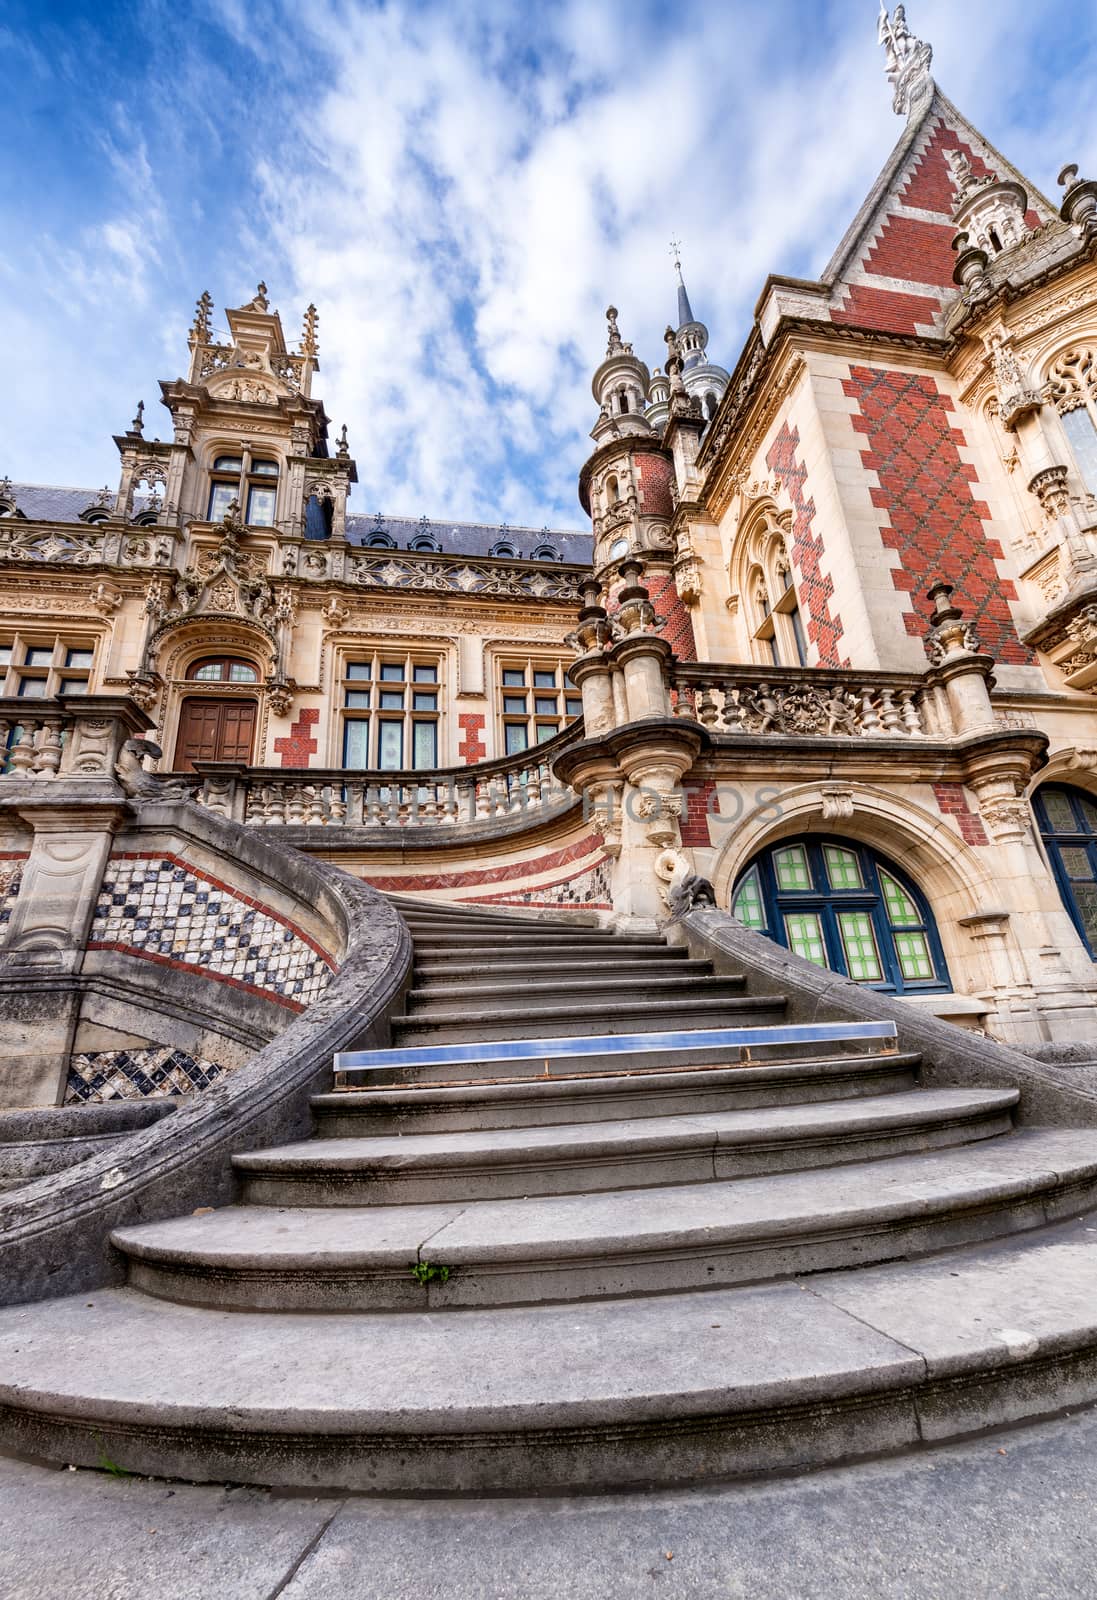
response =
{"points": [[1079, 206], [948, 635], [5, 488], [231, 519], [137, 426], [309, 345], [200, 332], [105, 497], [342, 449], [260, 301], [908, 60], [616, 346], [970, 271]]}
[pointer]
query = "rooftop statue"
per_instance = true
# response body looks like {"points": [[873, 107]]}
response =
{"points": [[908, 59]]}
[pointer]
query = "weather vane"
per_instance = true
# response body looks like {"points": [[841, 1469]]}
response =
{"points": [[676, 251]]}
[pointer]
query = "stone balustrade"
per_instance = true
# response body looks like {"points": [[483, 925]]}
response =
{"points": [[71, 736], [492, 792], [808, 701]]}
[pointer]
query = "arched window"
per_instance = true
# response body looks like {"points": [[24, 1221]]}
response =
{"points": [[771, 607], [1067, 819], [842, 906], [380, 541], [546, 552], [319, 517], [503, 549], [425, 543], [613, 491], [1072, 386], [223, 669]]}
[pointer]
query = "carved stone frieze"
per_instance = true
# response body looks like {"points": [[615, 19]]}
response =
{"points": [[393, 570]]}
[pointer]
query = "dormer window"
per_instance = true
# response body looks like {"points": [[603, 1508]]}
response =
{"points": [[380, 541], [224, 486], [545, 552], [262, 494], [424, 544], [503, 549]]}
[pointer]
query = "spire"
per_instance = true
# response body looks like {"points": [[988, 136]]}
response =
{"points": [[908, 61], [200, 327], [685, 311]]}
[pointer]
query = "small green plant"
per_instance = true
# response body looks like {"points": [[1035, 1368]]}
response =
{"points": [[106, 1464], [425, 1272]]}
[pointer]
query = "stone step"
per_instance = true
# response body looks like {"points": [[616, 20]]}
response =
{"points": [[618, 990], [566, 1158], [544, 953], [635, 1242], [527, 939], [607, 1394], [546, 1058], [606, 1096], [659, 964], [586, 1017]]}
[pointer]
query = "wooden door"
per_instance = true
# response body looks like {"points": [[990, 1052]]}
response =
{"points": [[214, 730]]}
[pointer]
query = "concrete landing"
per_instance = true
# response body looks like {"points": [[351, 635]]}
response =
{"points": [[1011, 1515]]}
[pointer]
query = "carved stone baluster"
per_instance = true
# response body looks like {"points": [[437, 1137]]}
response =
{"points": [[371, 806], [683, 698], [912, 721], [537, 780], [337, 804], [451, 799], [314, 812], [483, 799], [870, 722], [732, 710], [295, 809], [276, 807], [49, 749], [889, 712], [254, 808], [428, 803], [708, 712], [23, 751]]}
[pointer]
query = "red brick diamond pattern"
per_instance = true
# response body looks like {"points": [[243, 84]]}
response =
{"points": [[936, 523], [472, 747], [301, 743]]}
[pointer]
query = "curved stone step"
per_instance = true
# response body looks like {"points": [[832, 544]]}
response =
{"points": [[587, 1017], [526, 1102], [512, 1163], [625, 1242], [502, 967], [607, 1394], [613, 990]]}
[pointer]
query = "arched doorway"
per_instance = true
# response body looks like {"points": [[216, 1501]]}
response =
{"points": [[217, 727], [1067, 819], [841, 905]]}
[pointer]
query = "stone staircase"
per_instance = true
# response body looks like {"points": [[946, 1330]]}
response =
{"points": [[601, 1216]]}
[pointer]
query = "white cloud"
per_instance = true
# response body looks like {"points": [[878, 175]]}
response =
{"points": [[462, 189]]}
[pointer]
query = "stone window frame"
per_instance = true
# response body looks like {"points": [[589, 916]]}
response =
{"points": [[60, 675], [761, 574], [538, 726], [1071, 387], [350, 683]]}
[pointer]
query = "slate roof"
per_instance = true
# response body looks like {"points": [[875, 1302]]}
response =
{"points": [[45, 503]]}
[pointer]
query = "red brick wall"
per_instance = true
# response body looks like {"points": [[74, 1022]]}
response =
{"points": [[472, 747], [952, 802], [301, 744], [813, 589], [674, 623], [886, 310], [656, 476], [918, 251], [698, 798], [935, 521]]}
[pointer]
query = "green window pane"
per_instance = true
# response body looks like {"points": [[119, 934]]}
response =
{"points": [[843, 868], [545, 732], [747, 906], [901, 909], [1089, 811], [240, 672], [912, 951], [1076, 862], [517, 738], [1060, 813], [356, 745], [791, 867], [424, 744], [804, 932], [390, 746], [1085, 898], [859, 944]]}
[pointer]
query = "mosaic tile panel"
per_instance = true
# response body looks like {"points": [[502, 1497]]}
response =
{"points": [[97, 1076], [590, 889], [162, 909]]}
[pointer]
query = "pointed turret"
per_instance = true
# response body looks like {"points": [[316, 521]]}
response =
{"points": [[703, 380]]}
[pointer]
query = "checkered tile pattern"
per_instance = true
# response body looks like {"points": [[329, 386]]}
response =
{"points": [[590, 889], [927, 494], [162, 909], [813, 589], [136, 1074]]}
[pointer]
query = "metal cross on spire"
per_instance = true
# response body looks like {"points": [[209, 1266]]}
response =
{"points": [[676, 253]]}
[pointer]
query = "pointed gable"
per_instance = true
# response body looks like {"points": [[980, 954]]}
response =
{"points": [[893, 270]]}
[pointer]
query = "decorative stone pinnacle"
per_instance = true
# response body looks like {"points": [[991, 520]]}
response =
{"points": [[615, 343], [200, 327], [342, 449], [138, 424], [948, 635], [908, 60], [309, 345], [1079, 206], [260, 301], [5, 488]]}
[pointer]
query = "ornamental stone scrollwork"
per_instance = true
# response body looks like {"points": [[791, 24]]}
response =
{"points": [[1017, 396], [1004, 809], [280, 694], [105, 600], [837, 802], [335, 613], [735, 701], [144, 688], [1050, 488], [69, 549], [392, 571]]}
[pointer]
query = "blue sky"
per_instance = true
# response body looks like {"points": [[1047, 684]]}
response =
{"points": [[461, 188]]}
